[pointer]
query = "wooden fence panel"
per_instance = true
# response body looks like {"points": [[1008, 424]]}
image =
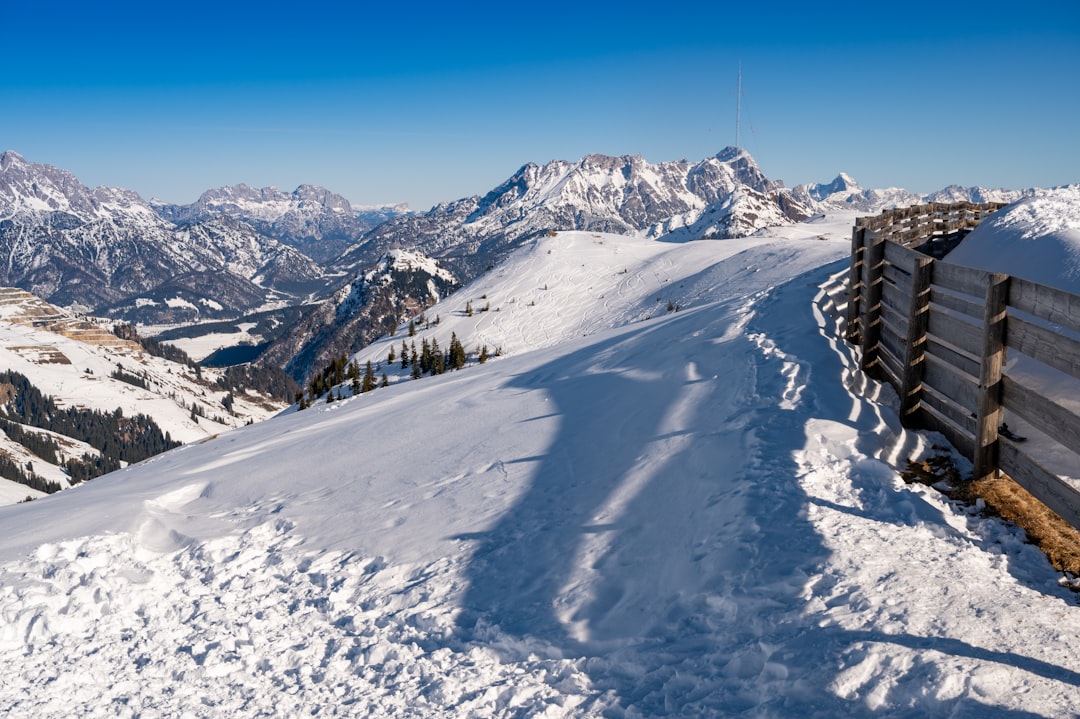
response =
{"points": [[1042, 413], [874, 267], [1047, 303], [961, 279], [952, 356], [855, 284], [956, 303], [955, 385], [1046, 486], [1055, 350], [939, 332], [939, 422], [914, 359], [960, 334], [901, 257]]}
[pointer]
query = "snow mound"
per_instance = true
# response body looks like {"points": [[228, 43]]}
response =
{"points": [[1037, 238]]}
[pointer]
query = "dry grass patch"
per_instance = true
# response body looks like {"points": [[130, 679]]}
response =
{"points": [[1004, 498]]}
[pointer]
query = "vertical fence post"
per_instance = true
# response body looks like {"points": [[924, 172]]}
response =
{"points": [[915, 352], [989, 414], [873, 280], [855, 285]]}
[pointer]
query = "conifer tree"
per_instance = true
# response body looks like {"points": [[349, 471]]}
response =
{"points": [[369, 378], [412, 328], [425, 355], [456, 357], [385, 382], [404, 355], [483, 355]]}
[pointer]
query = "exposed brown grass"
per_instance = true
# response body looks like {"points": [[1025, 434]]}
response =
{"points": [[1004, 498]]}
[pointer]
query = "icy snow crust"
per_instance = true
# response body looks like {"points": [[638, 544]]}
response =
{"points": [[696, 514]]}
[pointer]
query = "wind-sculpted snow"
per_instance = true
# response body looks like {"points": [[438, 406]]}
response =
{"points": [[695, 515]]}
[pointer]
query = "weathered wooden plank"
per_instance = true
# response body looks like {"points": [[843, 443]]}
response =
{"points": [[956, 303], [896, 277], [918, 317], [890, 363], [1043, 413], [961, 279], [1047, 303], [944, 406], [958, 387], [896, 299], [960, 361], [895, 321], [960, 334], [893, 340], [989, 413], [1056, 350], [940, 423], [901, 257], [1046, 486]]}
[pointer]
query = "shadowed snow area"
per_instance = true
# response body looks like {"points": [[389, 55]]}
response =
{"points": [[693, 515]]}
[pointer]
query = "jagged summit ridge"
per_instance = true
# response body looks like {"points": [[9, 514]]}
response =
{"points": [[318, 222]]}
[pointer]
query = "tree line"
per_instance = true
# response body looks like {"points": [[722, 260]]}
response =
{"points": [[430, 360], [119, 439]]}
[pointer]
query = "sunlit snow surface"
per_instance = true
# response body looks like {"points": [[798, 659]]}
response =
{"points": [[695, 514]]}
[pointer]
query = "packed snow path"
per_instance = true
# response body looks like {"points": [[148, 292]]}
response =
{"points": [[694, 516]]}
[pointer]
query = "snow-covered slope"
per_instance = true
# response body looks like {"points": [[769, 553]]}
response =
{"points": [[1037, 238], [690, 515], [73, 360]]}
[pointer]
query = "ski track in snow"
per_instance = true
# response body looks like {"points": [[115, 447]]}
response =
{"points": [[698, 516]]}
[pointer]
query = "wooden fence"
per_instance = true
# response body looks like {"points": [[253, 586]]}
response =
{"points": [[939, 333]]}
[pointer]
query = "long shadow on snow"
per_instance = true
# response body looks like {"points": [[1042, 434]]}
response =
{"points": [[687, 598]]}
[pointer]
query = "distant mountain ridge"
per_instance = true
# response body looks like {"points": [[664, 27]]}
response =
{"points": [[597, 193], [314, 220], [844, 193], [107, 250]]}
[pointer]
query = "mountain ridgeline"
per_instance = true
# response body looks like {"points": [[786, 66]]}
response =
{"points": [[361, 272]]}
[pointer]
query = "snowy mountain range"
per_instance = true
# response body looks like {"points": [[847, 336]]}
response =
{"points": [[845, 193], [319, 223], [108, 251]]}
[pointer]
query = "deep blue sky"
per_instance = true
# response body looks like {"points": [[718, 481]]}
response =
{"points": [[423, 103]]}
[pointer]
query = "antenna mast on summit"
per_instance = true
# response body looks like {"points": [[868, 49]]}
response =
{"points": [[738, 107]]}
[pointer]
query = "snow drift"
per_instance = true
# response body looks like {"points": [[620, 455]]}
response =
{"points": [[1037, 238]]}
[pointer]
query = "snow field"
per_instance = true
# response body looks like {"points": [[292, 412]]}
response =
{"points": [[695, 515]]}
